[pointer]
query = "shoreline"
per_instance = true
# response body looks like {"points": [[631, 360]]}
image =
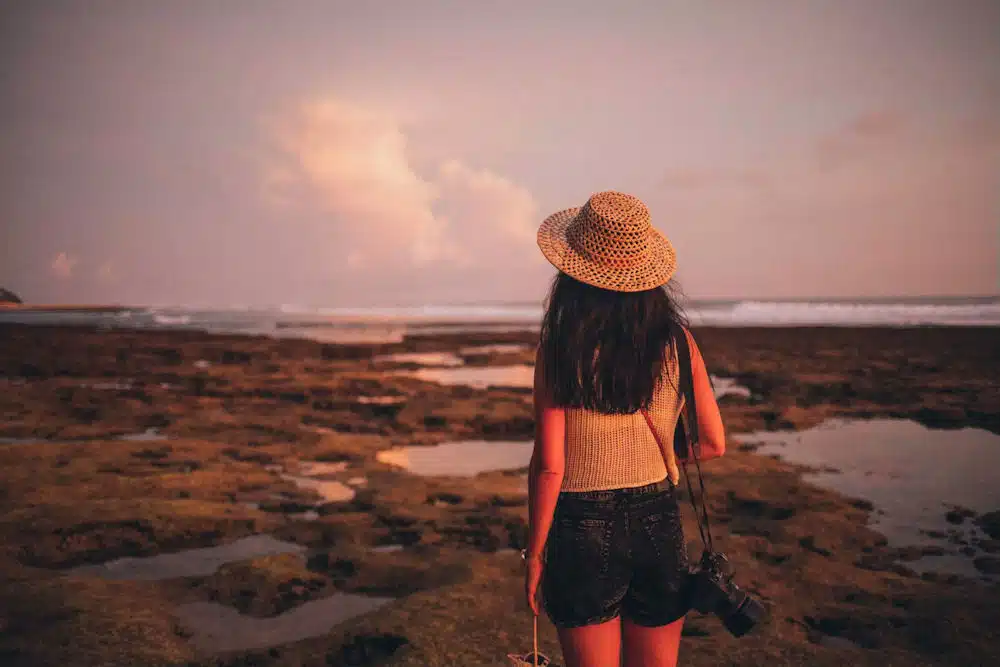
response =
{"points": [[241, 426], [795, 313]]}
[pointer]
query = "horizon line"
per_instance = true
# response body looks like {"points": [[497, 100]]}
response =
{"points": [[486, 304]]}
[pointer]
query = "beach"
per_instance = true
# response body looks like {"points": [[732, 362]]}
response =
{"points": [[187, 498]]}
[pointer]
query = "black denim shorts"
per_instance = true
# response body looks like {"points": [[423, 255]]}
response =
{"points": [[616, 552]]}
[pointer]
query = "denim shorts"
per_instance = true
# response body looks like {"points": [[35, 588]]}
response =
{"points": [[617, 552]]}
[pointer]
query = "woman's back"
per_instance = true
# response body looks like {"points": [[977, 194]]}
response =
{"points": [[613, 451]]}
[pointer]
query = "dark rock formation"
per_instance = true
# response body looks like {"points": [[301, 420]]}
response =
{"points": [[990, 523]]}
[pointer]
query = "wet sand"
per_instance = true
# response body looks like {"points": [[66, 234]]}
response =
{"points": [[153, 508]]}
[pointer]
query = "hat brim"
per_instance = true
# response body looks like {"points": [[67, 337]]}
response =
{"points": [[554, 244]]}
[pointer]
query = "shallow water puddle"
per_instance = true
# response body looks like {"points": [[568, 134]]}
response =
{"points": [[363, 336], [913, 475], [329, 490], [199, 562], [460, 458], [422, 358], [312, 428], [479, 377], [149, 435], [949, 563], [217, 628], [496, 348], [104, 386], [381, 400], [728, 387], [311, 475], [321, 468]]}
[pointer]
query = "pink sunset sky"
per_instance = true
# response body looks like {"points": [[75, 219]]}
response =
{"points": [[397, 153]]}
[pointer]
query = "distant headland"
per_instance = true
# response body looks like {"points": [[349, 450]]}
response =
{"points": [[11, 301], [8, 297]]}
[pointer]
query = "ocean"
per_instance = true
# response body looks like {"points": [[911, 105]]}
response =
{"points": [[388, 324]]}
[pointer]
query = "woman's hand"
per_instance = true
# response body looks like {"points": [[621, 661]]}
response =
{"points": [[532, 579]]}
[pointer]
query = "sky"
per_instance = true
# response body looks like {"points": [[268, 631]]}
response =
{"points": [[331, 153]]}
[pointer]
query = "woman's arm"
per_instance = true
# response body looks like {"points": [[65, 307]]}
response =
{"points": [[548, 460], [711, 434]]}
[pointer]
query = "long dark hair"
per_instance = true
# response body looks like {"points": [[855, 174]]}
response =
{"points": [[604, 350]]}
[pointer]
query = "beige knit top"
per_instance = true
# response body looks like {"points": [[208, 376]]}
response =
{"points": [[618, 451]]}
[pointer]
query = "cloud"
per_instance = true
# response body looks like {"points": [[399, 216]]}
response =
{"points": [[352, 165], [62, 265], [486, 211]]}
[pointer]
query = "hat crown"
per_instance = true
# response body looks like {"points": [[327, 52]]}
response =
{"points": [[617, 212], [614, 229]]}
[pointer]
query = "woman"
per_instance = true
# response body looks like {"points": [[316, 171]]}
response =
{"points": [[605, 543]]}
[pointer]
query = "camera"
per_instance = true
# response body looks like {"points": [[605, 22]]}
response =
{"points": [[712, 591]]}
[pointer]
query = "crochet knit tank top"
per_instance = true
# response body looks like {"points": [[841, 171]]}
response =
{"points": [[606, 451]]}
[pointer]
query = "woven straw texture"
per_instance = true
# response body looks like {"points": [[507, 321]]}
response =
{"points": [[609, 243], [617, 451]]}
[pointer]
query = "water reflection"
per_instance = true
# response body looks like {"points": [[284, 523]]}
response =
{"points": [[217, 628], [913, 475], [479, 377], [495, 348], [379, 400], [124, 385], [199, 562], [321, 468], [460, 458], [728, 387], [330, 491], [422, 358], [312, 476], [149, 435]]}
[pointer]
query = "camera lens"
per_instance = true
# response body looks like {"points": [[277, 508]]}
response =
{"points": [[744, 617]]}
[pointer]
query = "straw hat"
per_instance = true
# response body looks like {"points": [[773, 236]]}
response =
{"points": [[608, 242]]}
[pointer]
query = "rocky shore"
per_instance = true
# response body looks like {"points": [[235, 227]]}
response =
{"points": [[178, 498]]}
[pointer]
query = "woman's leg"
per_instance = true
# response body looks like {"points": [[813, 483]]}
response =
{"points": [[596, 645], [651, 647]]}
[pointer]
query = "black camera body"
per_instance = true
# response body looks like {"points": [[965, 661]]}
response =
{"points": [[712, 591]]}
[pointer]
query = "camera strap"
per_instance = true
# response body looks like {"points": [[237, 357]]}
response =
{"points": [[686, 434]]}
